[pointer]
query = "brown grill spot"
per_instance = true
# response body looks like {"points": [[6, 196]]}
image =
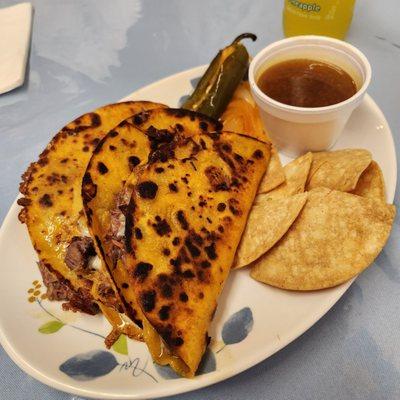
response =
{"points": [[162, 277], [173, 187], [258, 154], [162, 227], [45, 201], [234, 207], [193, 250], [176, 241], [227, 219], [89, 189], [210, 250], [175, 262], [128, 212], [140, 118], [183, 297], [178, 342], [142, 270], [102, 168], [226, 147], [221, 207], [238, 158], [133, 161], [125, 285], [182, 220], [218, 180], [205, 264], [166, 252], [113, 133], [112, 148], [159, 170], [166, 290], [138, 234], [197, 238], [183, 255], [202, 276], [188, 274], [148, 300], [147, 189], [24, 202], [43, 161], [163, 313]]}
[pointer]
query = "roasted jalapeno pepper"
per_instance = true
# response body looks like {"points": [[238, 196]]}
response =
{"points": [[216, 87]]}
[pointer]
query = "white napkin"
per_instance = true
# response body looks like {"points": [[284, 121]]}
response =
{"points": [[15, 32]]}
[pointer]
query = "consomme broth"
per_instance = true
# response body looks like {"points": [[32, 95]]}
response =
{"points": [[307, 83]]}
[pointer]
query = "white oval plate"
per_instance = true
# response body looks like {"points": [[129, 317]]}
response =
{"points": [[253, 320]]}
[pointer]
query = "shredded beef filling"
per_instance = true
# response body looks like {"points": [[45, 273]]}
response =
{"points": [[59, 288], [79, 252]]}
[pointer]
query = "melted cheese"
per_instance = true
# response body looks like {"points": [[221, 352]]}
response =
{"points": [[121, 323], [160, 352]]}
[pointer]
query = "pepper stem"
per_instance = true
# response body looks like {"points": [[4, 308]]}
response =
{"points": [[247, 35]]}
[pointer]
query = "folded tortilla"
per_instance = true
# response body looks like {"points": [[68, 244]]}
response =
{"points": [[53, 212], [187, 212], [120, 154]]}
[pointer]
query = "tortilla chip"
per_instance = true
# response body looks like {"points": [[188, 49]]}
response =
{"points": [[371, 183], [268, 221], [338, 170], [336, 236], [275, 175], [296, 173]]}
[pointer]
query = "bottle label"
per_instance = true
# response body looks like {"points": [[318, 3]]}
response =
{"points": [[309, 7]]}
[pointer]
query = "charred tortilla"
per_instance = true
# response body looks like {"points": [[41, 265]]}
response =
{"points": [[120, 154], [190, 218], [53, 212]]}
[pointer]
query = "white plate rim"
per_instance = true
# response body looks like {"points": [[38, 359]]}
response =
{"points": [[218, 375]]}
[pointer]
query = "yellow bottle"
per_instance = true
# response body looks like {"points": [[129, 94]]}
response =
{"points": [[317, 17]]}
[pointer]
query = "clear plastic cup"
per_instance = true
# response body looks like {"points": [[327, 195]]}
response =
{"points": [[296, 130]]}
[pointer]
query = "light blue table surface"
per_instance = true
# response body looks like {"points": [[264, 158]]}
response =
{"points": [[88, 53]]}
